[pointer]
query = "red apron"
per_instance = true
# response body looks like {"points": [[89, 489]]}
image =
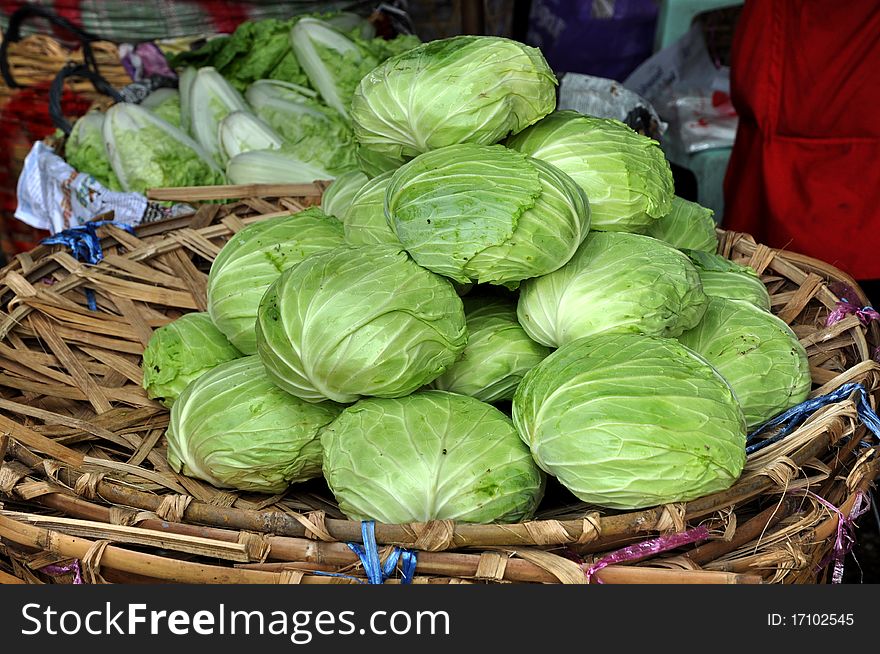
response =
{"points": [[804, 173]]}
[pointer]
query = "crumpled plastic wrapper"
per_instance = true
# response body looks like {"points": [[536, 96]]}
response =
{"points": [[607, 98], [53, 196]]}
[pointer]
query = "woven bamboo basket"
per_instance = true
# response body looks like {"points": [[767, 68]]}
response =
{"points": [[37, 58], [85, 486]]}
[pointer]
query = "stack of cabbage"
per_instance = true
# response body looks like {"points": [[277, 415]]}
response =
{"points": [[501, 291], [267, 104]]}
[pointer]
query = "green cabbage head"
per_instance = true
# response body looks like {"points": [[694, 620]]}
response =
{"points": [[465, 89], [722, 277], [431, 455], [254, 258], [758, 354], [687, 226], [338, 195], [625, 175], [165, 103], [147, 152], [182, 351], [210, 99], [311, 131], [498, 355], [357, 321], [233, 428], [614, 282], [85, 151], [627, 421], [486, 214], [364, 221]]}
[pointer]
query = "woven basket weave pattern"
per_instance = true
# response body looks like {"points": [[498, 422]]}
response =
{"points": [[84, 474]]}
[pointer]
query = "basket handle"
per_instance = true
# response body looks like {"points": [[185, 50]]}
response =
{"points": [[56, 91], [13, 34]]}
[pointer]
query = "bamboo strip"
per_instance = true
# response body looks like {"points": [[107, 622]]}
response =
{"points": [[464, 535], [131, 371], [132, 315], [196, 281], [141, 292], [133, 395], [130, 241], [198, 243], [6, 579], [91, 464], [138, 270], [94, 340], [136, 536], [315, 555], [82, 379], [828, 333], [137, 562], [40, 443], [746, 533], [807, 291], [231, 192], [59, 419]]}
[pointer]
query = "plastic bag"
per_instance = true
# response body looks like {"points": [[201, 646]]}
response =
{"points": [[53, 196], [690, 92], [607, 98]]}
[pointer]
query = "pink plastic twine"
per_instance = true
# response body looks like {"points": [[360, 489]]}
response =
{"points": [[55, 570], [845, 539], [845, 308], [647, 548]]}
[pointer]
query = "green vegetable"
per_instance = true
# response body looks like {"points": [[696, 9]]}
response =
{"points": [[85, 151], [233, 428], [626, 421], [625, 175], [686, 226], [484, 213], [165, 103], [272, 167], [241, 131], [311, 131], [364, 220], [357, 321], [184, 84], [261, 49], [722, 277], [498, 354], [211, 99], [333, 62], [182, 351], [429, 456], [254, 258], [374, 164], [756, 352], [615, 282], [465, 89], [337, 197], [256, 50], [146, 152]]}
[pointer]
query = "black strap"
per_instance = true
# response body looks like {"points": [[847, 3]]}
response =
{"points": [[86, 70], [56, 91], [13, 34]]}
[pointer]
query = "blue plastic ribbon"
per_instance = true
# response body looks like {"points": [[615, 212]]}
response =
{"points": [[85, 246], [796, 415], [368, 553]]}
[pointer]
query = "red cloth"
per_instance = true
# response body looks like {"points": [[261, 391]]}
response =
{"points": [[804, 173]]}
